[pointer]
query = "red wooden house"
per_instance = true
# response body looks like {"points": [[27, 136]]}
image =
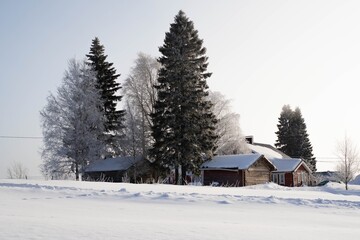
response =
{"points": [[237, 170], [291, 172]]}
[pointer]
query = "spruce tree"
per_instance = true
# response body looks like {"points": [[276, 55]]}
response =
{"points": [[293, 138], [183, 123], [301, 142], [106, 83], [283, 134]]}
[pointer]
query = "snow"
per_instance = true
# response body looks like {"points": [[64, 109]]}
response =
{"points": [[96, 210], [112, 164], [241, 161], [267, 152], [356, 181], [285, 165]]}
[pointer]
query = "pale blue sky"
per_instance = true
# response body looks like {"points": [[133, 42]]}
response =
{"points": [[263, 54]]}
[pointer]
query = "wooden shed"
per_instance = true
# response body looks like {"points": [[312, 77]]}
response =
{"points": [[291, 172], [237, 170], [111, 169]]}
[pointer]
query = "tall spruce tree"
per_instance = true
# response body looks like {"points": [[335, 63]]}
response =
{"points": [[183, 123], [293, 138], [283, 142], [106, 83]]}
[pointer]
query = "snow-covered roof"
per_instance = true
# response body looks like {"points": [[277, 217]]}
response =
{"points": [[267, 150], [282, 162], [240, 161], [286, 164], [328, 176], [112, 164]]}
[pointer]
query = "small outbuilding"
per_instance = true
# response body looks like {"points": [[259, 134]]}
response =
{"points": [[111, 169], [291, 172], [237, 170]]}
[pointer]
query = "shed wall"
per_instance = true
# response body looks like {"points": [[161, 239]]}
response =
{"points": [[301, 177], [223, 177], [289, 180], [258, 173]]}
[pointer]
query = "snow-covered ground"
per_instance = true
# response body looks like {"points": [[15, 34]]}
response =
{"points": [[86, 210]]}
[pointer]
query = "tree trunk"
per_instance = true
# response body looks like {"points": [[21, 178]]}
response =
{"points": [[176, 182], [183, 175], [77, 171]]}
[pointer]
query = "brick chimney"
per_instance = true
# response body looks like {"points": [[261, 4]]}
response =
{"points": [[249, 139]]}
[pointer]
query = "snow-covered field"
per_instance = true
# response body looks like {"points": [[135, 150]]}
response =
{"points": [[88, 210]]}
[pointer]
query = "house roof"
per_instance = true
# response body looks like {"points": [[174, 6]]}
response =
{"points": [[267, 150], [328, 175], [283, 162], [286, 164], [240, 161], [112, 164]]}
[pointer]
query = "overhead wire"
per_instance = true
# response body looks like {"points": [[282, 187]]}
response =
{"points": [[20, 137]]}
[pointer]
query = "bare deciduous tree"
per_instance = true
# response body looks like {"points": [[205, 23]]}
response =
{"points": [[140, 95], [17, 171], [348, 164], [72, 124], [231, 140]]}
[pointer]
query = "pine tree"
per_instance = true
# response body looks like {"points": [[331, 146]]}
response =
{"points": [[293, 138], [183, 123], [106, 83]]}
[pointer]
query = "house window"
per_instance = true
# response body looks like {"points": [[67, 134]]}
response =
{"points": [[279, 178], [282, 178], [275, 178]]}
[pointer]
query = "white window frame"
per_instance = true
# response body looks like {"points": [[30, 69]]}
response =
{"points": [[278, 178], [282, 178], [275, 178]]}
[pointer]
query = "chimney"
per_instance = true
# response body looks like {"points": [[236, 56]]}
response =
{"points": [[249, 139]]}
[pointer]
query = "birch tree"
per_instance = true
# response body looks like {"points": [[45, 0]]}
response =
{"points": [[72, 124], [348, 164], [140, 96], [231, 140]]}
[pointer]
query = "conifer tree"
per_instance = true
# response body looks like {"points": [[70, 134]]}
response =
{"points": [[301, 142], [283, 134], [106, 83], [293, 138], [183, 123]]}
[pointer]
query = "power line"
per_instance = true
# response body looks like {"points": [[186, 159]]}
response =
{"points": [[20, 137]]}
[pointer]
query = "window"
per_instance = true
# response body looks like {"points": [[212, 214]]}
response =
{"points": [[278, 178], [282, 178], [275, 178]]}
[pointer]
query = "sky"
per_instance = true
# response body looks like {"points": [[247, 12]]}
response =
{"points": [[263, 55]]}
